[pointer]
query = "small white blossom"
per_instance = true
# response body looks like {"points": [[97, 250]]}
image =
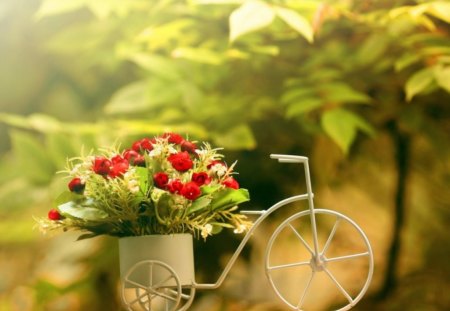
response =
{"points": [[219, 169], [133, 185], [157, 150], [172, 149], [240, 229], [206, 230]]}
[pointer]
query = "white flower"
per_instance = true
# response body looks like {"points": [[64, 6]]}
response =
{"points": [[206, 230], [240, 229], [133, 185], [219, 169], [157, 150], [172, 149]]}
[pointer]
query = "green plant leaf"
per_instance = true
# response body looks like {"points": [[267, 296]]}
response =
{"points": [[55, 7], [440, 9], [72, 209], [32, 156], [297, 22], [418, 82], [156, 64], [343, 93], [199, 204], [303, 106], [297, 94], [238, 137], [228, 197], [199, 55], [406, 60], [442, 76], [342, 125], [140, 96], [60, 148], [143, 175], [250, 16]]}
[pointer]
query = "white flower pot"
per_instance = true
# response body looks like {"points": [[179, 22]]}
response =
{"points": [[176, 251]]}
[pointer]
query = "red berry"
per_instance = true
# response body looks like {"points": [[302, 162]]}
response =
{"points": [[54, 214], [76, 185]]}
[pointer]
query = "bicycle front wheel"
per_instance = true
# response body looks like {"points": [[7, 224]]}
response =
{"points": [[338, 275]]}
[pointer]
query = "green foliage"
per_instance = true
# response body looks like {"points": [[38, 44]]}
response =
{"points": [[259, 75]]}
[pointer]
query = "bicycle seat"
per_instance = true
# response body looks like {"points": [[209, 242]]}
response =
{"points": [[286, 158]]}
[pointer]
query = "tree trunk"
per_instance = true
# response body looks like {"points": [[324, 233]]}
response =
{"points": [[402, 162]]}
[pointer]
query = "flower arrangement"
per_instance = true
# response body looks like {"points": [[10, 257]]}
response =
{"points": [[161, 185]]}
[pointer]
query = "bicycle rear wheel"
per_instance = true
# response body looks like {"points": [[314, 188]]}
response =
{"points": [[160, 290], [341, 273]]}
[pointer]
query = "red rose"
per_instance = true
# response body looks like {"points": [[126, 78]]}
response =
{"points": [[143, 144], [188, 146], [54, 214], [101, 165], [230, 182], [173, 138], [190, 191], [160, 179], [180, 161], [201, 178], [175, 186], [133, 157], [76, 185], [119, 166]]}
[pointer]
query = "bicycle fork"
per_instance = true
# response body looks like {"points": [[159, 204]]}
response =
{"points": [[317, 262]]}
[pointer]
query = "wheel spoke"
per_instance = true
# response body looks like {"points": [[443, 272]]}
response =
{"points": [[138, 298], [339, 286], [331, 236], [174, 292], [135, 284], [163, 295], [302, 298], [346, 257], [163, 282], [301, 239], [290, 265]]}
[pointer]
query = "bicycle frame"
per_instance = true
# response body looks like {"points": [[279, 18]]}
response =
{"points": [[263, 214]]}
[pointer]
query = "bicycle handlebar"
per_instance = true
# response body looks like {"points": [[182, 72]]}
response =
{"points": [[286, 158]]}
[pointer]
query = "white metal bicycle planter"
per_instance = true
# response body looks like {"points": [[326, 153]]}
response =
{"points": [[168, 293]]}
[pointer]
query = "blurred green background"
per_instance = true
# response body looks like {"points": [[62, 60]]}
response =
{"points": [[360, 87]]}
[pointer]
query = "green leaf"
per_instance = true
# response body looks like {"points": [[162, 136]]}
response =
{"points": [[228, 197], [418, 82], [60, 148], [72, 209], [67, 196], [238, 137], [205, 56], [199, 204], [104, 8], [143, 174], [140, 96], [296, 94], [342, 125], [442, 76], [440, 9], [32, 156], [156, 64], [372, 49], [406, 60], [303, 106], [343, 93], [250, 16], [209, 189], [297, 22], [55, 7]]}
